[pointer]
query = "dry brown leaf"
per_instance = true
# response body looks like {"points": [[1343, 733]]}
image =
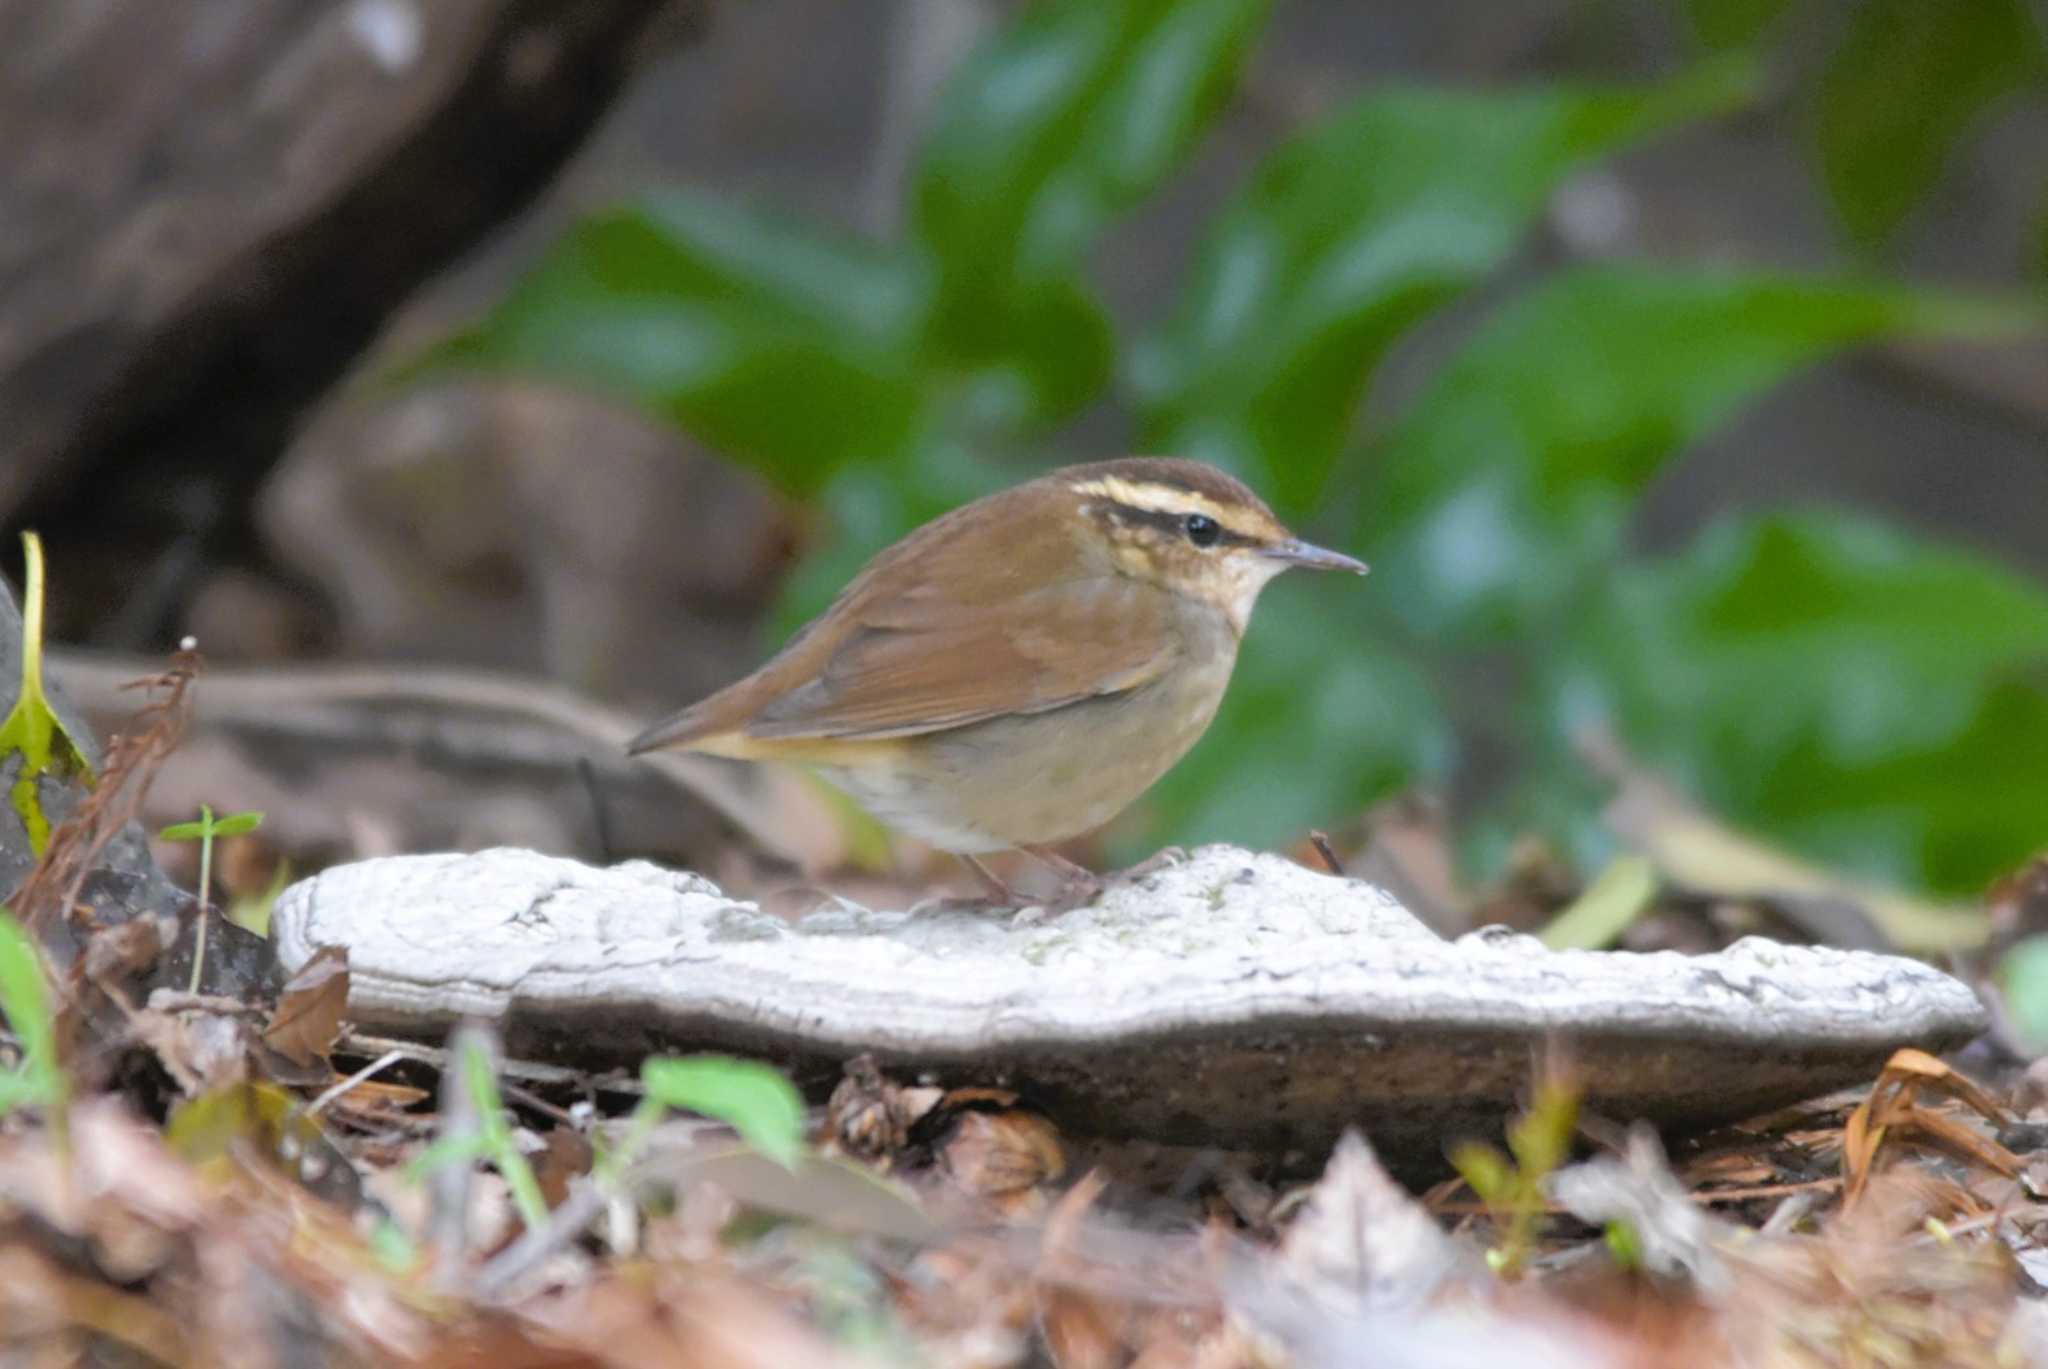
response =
{"points": [[1894, 1107], [1081, 1331], [1179, 1339], [1008, 1158], [869, 1116], [46, 1308], [204, 1051], [377, 1102], [967, 1294], [133, 756], [704, 1318], [308, 1019], [1877, 1286], [566, 1155], [1362, 1239]]}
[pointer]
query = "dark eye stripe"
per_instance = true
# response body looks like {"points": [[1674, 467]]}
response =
{"points": [[1174, 524]]}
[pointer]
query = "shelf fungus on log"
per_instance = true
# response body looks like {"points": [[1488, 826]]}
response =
{"points": [[1235, 999]]}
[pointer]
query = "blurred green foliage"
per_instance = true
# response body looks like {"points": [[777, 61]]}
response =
{"points": [[1726, 24], [1349, 235], [31, 729], [1853, 690], [2023, 978], [1903, 87]]}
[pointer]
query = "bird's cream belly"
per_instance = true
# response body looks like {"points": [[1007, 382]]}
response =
{"points": [[1036, 778]]}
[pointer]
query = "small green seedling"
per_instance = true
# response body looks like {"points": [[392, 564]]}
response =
{"points": [[754, 1100], [32, 727], [38, 1081], [204, 832], [1540, 1140], [491, 1140]]}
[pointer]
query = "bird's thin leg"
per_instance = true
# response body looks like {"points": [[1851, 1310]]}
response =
{"points": [[999, 892], [1079, 885]]}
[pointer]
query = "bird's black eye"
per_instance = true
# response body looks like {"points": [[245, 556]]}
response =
{"points": [[1201, 529]]}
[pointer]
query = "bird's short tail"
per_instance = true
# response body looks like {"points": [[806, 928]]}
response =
{"points": [[676, 730]]}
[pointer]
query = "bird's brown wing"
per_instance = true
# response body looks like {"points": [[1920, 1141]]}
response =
{"points": [[939, 631], [928, 662]]}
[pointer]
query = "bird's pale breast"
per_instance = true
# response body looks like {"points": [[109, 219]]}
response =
{"points": [[1029, 779]]}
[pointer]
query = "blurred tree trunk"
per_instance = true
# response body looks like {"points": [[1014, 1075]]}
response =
{"points": [[207, 208]]}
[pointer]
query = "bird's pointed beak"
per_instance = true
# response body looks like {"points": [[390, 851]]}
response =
{"points": [[1296, 552]]}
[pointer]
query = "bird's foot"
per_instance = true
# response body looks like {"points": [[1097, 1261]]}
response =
{"points": [[940, 904], [995, 897], [1163, 859], [1079, 886]]}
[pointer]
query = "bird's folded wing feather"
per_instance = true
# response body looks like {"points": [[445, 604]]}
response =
{"points": [[926, 662]]}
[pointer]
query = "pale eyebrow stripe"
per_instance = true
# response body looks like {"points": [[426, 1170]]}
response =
{"points": [[1164, 506], [1152, 498]]}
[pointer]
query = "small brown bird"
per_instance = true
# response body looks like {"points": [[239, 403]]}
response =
{"points": [[1017, 671]]}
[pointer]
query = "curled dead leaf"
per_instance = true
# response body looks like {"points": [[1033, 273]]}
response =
{"points": [[1894, 1108], [869, 1116], [992, 1148], [308, 1019]]}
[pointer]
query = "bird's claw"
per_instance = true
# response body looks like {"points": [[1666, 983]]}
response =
{"points": [[1163, 859]]}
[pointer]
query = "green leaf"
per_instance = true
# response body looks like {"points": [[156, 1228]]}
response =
{"points": [[1541, 1138], [1726, 24], [1599, 916], [1861, 695], [1322, 718], [208, 826], [491, 1138], [269, 1119], [1514, 477], [1349, 234], [776, 343], [392, 1248], [39, 1080], [495, 1138], [2023, 978], [252, 912], [1069, 118], [2037, 245], [32, 729], [753, 1099], [1902, 89], [1484, 1169], [1624, 1245]]}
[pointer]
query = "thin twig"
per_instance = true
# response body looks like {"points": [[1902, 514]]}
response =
{"points": [[525, 1071], [377, 1066], [1742, 1195], [129, 766], [1321, 841]]}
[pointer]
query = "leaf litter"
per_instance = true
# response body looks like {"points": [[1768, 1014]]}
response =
{"points": [[241, 1178]]}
